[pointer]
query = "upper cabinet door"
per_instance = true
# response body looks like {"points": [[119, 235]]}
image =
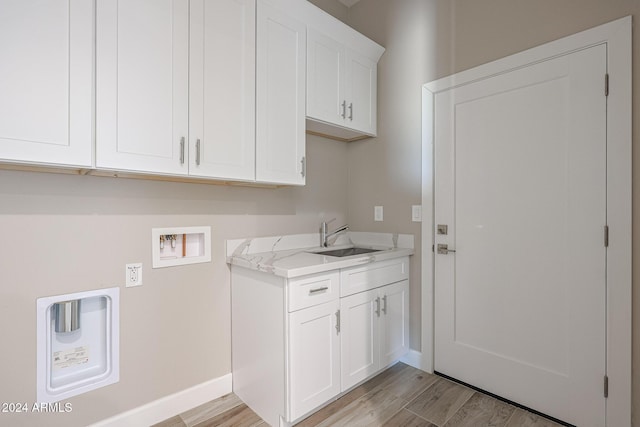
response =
{"points": [[361, 93], [222, 89], [46, 74], [280, 97], [142, 85], [325, 78]]}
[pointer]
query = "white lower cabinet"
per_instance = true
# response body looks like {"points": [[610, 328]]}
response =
{"points": [[298, 343], [375, 331]]}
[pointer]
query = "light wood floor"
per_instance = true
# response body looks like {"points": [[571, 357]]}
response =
{"points": [[401, 396]]}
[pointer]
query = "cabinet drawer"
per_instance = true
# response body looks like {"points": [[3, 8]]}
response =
{"points": [[311, 290], [374, 275]]}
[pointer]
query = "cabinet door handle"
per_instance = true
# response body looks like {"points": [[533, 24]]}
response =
{"points": [[303, 166], [338, 321], [182, 150], [378, 306], [351, 111], [197, 152], [384, 304], [315, 291], [344, 109]]}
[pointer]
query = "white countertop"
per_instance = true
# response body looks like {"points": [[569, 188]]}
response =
{"points": [[293, 255]]}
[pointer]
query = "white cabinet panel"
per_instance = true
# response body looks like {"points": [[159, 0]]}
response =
{"points": [[325, 78], [394, 322], [280, 97], [314, 357], [359, 340], [142, 85], [46, 81], [361, 93], [222, 89]]}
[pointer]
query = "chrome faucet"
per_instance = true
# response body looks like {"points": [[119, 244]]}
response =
{"points": [[324, 236]]}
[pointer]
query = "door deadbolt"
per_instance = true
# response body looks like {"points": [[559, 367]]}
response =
{"points": [[443, 249], [443, 229]]}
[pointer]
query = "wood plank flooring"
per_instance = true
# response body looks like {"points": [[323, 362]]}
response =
{"points": [[400, 396]]}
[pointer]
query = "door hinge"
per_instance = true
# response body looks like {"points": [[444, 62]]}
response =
{"points": [[606, 84], [606, 386], [606, 236]]}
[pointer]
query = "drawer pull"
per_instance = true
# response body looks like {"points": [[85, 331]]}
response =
{"points": [[384, 304], [315, 291], [378, 306]]}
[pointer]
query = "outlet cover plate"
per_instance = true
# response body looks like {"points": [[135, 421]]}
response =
{"points": [[378, 213], [133, 275], [416, 213]]}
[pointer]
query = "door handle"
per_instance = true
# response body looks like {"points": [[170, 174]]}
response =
{"points": [[182, 150], [443, 249], [351, 111], [197, 152], [378, 306], [338, 322], [344, 109], [384, 304]]}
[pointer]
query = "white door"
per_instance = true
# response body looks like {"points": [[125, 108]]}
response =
{"points": [[359, 337], [361, 93], [394, 322], [314, 357], [280, 97], [142, 85], [222, 89], [46, 74], [520, 183]]}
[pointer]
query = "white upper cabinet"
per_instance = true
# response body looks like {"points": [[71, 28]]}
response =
{"points": [[142, 85], [342, 84], [222, 89], [280, 97], [46, 77]]}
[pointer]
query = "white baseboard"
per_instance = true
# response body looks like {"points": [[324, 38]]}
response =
{"points": [[169, 406], [414, 358]]}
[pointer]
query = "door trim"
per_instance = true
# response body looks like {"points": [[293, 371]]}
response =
{"points": [[617, 36]]}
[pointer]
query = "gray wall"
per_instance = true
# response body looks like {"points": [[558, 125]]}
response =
{"points": [[62, 234], [429, 39]]}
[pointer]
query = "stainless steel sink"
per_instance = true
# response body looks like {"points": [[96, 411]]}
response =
{"points": [[347, 252]]}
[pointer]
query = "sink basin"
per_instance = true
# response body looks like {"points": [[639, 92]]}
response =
{"points": [[347, 252]]}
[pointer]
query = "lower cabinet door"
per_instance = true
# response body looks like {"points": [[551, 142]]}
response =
{"points": [[394, 322], [314, 357], [359, 337]]}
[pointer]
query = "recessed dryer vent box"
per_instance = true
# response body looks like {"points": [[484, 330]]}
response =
{"points": [[180, 246]]}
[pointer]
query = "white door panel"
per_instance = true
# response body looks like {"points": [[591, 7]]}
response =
{"points": [[222, 89], [520, 181], [142, 85], [314, 357], [46, 75], [359, 337]]}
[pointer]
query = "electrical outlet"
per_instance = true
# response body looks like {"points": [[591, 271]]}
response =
{"points": [[378, 213], [133, 275], [416, 213]]}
